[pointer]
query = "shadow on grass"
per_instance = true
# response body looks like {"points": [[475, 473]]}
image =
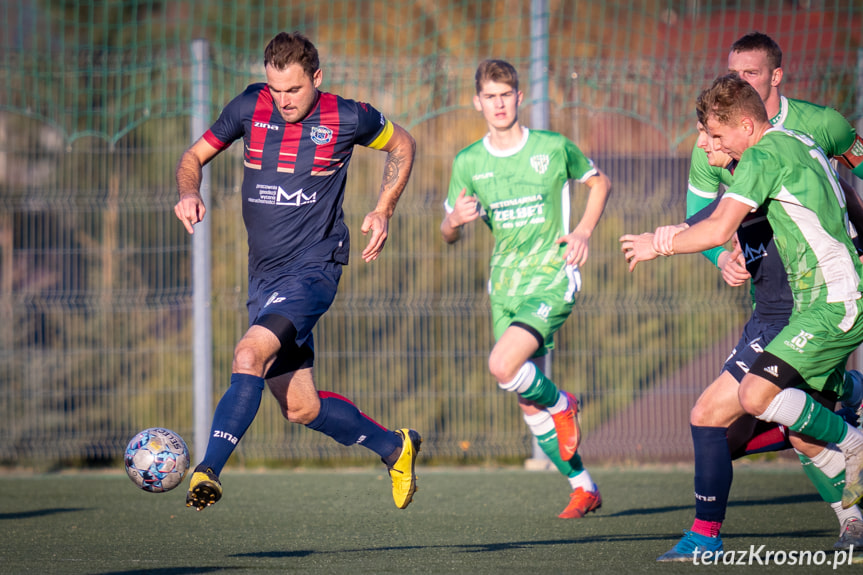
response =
{"points": [[806, 498], [171, 571], [38, 513], [516, 545]]}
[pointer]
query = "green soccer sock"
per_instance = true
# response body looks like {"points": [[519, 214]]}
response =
{"points": [[542, 427], [548, 444], [826, 470], [796, 409], [829, 488], [541, 390]]}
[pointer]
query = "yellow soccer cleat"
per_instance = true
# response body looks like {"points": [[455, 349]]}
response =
{"points": [[204, 489], [402, 471]]}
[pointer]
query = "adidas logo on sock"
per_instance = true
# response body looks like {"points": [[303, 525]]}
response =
{"points": [[772, 370]]}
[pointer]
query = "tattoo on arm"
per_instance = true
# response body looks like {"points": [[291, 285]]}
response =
{"points": [[391, 170]]}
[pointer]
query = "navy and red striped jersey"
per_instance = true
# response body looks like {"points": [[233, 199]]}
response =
{"points": [[295, 174]]}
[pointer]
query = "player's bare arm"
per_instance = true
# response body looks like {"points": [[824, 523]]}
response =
{"points": [[466, 210], [577, 240], [400, 149], [190, 208], [663, 237], [713, 231]]}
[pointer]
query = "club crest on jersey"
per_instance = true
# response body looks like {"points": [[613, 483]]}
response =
{"points": [[539, 163], [321, 135]]}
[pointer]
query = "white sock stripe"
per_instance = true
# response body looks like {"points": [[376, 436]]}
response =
{"points": [[583, 480], [522, 379], [830, 461], [539, 423], [786, 408]]}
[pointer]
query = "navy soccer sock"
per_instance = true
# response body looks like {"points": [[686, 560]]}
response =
{"points": [[233, 416], [341, 420], [713, 472]]}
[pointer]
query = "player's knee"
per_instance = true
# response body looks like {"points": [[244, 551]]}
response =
{"points": [[752, 399], [500, 368], [700, 415], [246, 360]]}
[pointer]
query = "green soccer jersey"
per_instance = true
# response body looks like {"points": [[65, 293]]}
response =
{"points": [[524, 198], [789, 174], [827, 127]]}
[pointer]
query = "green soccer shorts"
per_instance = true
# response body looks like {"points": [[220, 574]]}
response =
{"points": [[814, 344]]}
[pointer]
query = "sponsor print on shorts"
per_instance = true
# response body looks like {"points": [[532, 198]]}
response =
{"points": [[799, 341], [542, 311]]}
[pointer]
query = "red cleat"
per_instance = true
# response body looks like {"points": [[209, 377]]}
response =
{"points": [[566, 425], [581, 503]]}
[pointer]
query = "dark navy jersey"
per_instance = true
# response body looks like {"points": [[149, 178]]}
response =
{"points": [[771, 293], [295, 174]]}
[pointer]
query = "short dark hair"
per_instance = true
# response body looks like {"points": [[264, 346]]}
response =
{"points": [[756, 41], [729, 98], [496, 71], [286, 49]]}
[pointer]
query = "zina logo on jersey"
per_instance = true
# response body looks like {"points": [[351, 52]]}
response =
{"points": [[321, 135], [539, 163], [266, 126]]}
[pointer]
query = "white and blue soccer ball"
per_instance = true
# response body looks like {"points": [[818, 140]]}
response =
{"points": [[157, 459]]}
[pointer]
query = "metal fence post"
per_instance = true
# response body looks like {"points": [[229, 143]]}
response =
{"points": [[539, 120], [202, 356]]}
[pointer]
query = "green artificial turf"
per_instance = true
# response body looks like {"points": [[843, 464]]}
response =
{"points": [[344, 521]]}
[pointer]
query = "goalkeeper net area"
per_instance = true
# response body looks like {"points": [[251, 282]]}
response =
{"points": [[96, 307]]}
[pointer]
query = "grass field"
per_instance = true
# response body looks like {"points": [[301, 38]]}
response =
{"points": [[470, 521]]}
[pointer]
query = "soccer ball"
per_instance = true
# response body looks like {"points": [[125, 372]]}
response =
{"points": [[157, 459]]}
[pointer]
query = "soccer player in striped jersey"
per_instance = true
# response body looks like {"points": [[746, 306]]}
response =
{"points": [[297, 145], [789, 175], [517, 181]]}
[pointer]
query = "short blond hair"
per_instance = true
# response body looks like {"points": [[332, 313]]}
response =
{"points": [[499, 71], [728, 99]]}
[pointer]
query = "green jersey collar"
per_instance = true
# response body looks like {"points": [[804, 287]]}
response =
{"points": [[779, 118]]}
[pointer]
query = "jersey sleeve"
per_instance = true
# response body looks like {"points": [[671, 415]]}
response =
{"points": [[704, 180], [373, 129], [835, 135], [755, 178], [459, 179], [703, 214], [702, 190], [579, 166], [229, 126]]}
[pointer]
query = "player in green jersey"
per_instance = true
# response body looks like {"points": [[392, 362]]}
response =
{"points": [[517, 181], [758, 60], [719, 424], [790, 177]]}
